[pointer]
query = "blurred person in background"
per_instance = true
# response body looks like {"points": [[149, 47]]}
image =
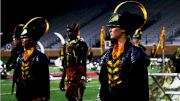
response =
{"points": [[16, 41], [176, 60], [74, 64], [90, 55], [137, 41], [153, 53]]}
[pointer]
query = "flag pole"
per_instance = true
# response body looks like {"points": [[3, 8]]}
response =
{"points": [[162, 39], [102, 39]]}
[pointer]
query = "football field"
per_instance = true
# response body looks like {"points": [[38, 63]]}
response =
{"points": [[92, 89]]}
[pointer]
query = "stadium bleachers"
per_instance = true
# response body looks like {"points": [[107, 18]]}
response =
{"points": [[169, 18], [92, 18], [81, 17]]}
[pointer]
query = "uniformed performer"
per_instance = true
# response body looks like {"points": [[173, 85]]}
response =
{"points": [[137, 41], [75, 51], [11, 63], [123, 75], [32, 72]]}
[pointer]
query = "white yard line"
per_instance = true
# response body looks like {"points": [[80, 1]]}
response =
{"points": [[93, 82], [6, 84], [7, 93], [91, 100], [50, 89]]}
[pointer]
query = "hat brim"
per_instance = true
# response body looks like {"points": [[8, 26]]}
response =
{"points": [[136, 38], [112, 25], [24, 36]]}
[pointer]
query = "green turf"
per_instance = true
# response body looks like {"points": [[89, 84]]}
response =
{"points": [[4, 59], [55, 94], [155, 69], [52, 69]]}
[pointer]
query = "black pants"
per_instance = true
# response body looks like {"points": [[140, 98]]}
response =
{"points": [[113, 94]]}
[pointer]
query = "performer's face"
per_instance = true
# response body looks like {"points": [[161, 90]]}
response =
{"points": [[136, 41], [116, 32], [71, 35], [16, 42], [25, 41]]}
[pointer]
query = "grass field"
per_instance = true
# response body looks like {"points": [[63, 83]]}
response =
{"points": [[91, 92], [92, 89], [56, 95]]}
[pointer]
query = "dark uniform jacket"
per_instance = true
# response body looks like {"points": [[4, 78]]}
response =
{"points": [[75, 54], [11, 63], [34, 84], [133, 75]]}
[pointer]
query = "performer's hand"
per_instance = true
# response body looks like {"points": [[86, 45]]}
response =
{"points": [[61, 85]]}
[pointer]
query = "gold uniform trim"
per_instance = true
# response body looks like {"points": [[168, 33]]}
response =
{"points": [[111, 64], [25, 72], [113, 68]]}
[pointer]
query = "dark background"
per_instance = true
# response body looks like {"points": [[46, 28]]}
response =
{"points": [[14, 12]]}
